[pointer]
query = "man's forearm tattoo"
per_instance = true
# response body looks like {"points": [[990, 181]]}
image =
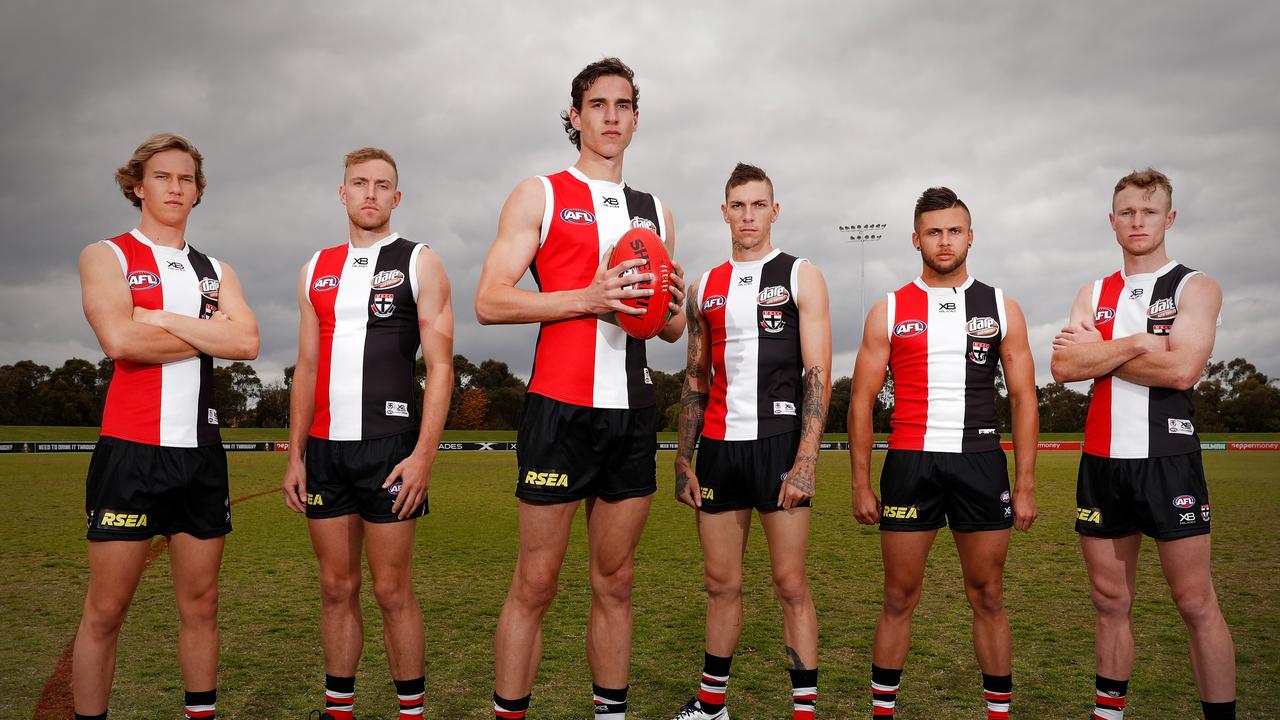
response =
{"points": [[692, 406], [813, 420]]}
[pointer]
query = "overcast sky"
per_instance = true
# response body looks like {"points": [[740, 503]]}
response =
{"points": [[1030, 111]]}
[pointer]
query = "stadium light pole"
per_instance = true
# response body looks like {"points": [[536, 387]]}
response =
{"points": [[863, 234]]}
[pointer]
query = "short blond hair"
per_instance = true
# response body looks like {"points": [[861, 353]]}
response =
{"points": [[1148, 180], [129, 175], [365, 154]]}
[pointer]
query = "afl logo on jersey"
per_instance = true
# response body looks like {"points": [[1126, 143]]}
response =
{"points": [[983, 327], [715, 302], [143, 280], [773, 295], [577, 216], [387, 279], [1162, 309], [328, 282], [1104, 315], [909, 328]]}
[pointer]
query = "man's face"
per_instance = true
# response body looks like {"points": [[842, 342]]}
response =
{"points": [[1140, 218], [369, 192], [943, 238], [608, 117], [750, 211], [168, 189]]}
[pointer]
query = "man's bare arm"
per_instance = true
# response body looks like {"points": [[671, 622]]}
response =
{"points": [[1079, 353], [1020, 380], [675, 326], [108, 306], [869, 371], [694, 396], [499, 301], [234, 334], [1190, 341], [815, 350], [302, 399]]}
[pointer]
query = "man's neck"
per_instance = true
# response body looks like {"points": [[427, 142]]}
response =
{"points": [[953, 279], [1149, 262], [362, 238], [742, 254], [158, 233], [597, 167]]}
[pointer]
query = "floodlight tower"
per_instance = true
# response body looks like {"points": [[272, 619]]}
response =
{"points": [[863, 234]]}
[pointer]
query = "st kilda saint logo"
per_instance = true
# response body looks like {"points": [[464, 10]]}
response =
{"points": [[771, 321], [978, 352], [383, 304]]}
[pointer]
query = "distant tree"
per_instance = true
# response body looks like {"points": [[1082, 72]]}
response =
{"points": [[838, 410], [272, 410], [234, 386], [883, 409], [1244, 399], [69, 395], [666, 393], [471, 410], [19, 393], [504, 408], [1062, 409]]}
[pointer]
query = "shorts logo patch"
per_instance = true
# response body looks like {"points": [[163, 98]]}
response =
{"points": [[715, 302], [909, 328], [549, 478], [978, 352], [395, 489], [708, 493], [1104, 315], [328, 282], [983, 327], [771, 321], [773, 295], [383, 304], [386, 279], [314, 500], [397, 409], [1089, 515], [782, 407], [1187, 518], [1004, 496], [110, 519], [1008, 511], [1181, 427], [143, 280], [213, 416], [1204, 512], [577, 216], [899, 512], [1182, 502]]}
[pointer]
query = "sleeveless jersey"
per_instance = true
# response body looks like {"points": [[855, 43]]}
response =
{"points": [[944, 344], [588, 361], [169, 404], [1127, 420], [756, 365], [366, 300]]}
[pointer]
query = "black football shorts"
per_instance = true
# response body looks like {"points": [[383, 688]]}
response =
{"points": [[1163, 497], [737, 474], [922, 490], [345, 477]]}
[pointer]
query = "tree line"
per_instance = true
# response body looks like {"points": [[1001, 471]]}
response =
{"points": [[1231, 397]]}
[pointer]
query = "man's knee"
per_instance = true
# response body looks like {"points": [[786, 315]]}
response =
{"points": [[612, 586], [900, 600], [394, 595], [986, 597], [792, 589], [722, 587], [339, 588], [1111, 601], [534, 591], [1198, 606], [199, 608], [103, 617]]}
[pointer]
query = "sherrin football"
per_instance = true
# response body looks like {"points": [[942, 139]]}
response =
{"points": [[644, 244]]}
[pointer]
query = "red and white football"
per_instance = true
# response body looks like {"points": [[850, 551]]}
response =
{"points": [[642, 243]]}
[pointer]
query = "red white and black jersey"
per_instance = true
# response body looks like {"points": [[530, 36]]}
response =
{"points": [[169, 404], [366, 300], [944, 344], [756, 364], [588, 361], [1127, 420]]}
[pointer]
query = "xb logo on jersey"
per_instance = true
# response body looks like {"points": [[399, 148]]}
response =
{"points": [[577, 216], [143, 280]]}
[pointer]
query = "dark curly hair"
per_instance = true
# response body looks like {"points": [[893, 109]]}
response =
{"points": [[596, 70]]}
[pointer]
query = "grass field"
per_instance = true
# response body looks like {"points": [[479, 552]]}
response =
{"points": [[271, 665]]}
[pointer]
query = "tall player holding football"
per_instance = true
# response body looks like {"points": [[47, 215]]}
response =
{"points": [[359, 463], [1141, 472], [162, 311], [942, 335], [588, 429], [756, 392]]}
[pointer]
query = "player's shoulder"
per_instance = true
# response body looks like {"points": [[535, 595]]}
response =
{"points": [[1201, 285]]}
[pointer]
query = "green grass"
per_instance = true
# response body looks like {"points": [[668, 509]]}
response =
{"points": [[271, 663]]}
